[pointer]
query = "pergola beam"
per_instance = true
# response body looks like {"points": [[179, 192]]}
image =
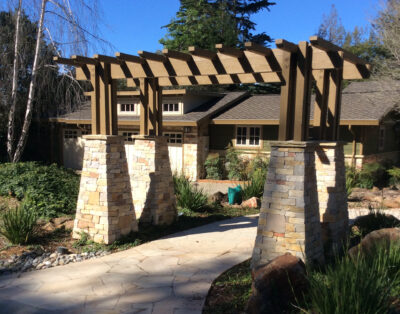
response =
{"points": [[256, 48], [84, 60], [286, 45]]}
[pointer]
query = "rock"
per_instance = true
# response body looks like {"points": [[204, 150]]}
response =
{"points": [[391, 203], [218, 197], [47, 263], [277, 285], [373, 197], [377, 237], [60, 220], [253, 202], [375, 189], [53, 255], [62, 250]]}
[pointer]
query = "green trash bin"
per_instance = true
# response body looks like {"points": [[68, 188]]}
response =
{"points": [[235, 195]]}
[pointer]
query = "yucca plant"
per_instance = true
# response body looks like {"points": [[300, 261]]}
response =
{"points": [[188, 196], [394, 174], [255, 187], [18, 224], [362, 285]]}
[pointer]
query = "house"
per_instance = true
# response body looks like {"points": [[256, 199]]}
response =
{"points": [[198, 123]]}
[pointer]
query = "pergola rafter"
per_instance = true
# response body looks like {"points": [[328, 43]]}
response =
{"points": [[292, 65]]}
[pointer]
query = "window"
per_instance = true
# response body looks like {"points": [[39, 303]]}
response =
{"points": [[248, 136], [173, 137], [128, 135], [128, 107], [381, 141], [173, 107], [70, 133]]}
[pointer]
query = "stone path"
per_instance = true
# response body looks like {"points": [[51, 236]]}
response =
{"points": [[170, 275]]}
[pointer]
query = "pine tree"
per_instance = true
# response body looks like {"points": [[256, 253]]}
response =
{"points": [[204, 23]]}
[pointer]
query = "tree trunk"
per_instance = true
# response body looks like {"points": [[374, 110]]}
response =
{"points": [[11, 116], [29, 106]]}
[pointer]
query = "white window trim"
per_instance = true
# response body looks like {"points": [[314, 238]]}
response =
{"points": [[128, 101], [180, 133], [172, 101], [247, 145]]}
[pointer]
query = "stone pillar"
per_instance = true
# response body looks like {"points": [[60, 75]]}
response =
{"points": [[105, 209], [151, 180], [289, 217], [332, 195]]}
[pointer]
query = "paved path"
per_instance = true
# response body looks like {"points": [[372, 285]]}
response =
{"points": [[170, 275]]}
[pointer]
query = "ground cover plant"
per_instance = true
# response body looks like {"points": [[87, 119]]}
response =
{"points": [[188, 196], [50, 190]]}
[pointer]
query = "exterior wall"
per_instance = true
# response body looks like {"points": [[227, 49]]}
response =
{"points": [[104, 209], [195, 151]]}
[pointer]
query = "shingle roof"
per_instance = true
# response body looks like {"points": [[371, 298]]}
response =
{"points": [[368, 100], [198, 113]]}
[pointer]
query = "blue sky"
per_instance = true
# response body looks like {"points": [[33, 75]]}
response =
{"points": [[134, 25]]}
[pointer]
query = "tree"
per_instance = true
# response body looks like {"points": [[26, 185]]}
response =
{"points": [[204, 23], [387, 28], [362, 42], [63, 25]]}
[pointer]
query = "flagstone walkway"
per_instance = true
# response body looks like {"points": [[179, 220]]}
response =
{"points": [[170, 275]]}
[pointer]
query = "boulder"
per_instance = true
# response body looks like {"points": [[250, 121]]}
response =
{"points": [[218, 198], [391, 203], [253, 202], [378, 237], [277, 285]]}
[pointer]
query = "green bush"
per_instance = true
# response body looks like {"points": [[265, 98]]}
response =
{"points": [[361, 285], [375, 221], [257, 164], [213, 167], [372, 174], [235, 167], [394, 174], [18, 224], [352, 179], [188, 196], [52, 191], [255, 186]]}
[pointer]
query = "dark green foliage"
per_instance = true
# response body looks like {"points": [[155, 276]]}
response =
{"points": [[375, 221], [204, 23], [51, 190], [18, 224], [255, 187], [235, 166], [214, 167], [188, 196], [372, 174], [394, 174], [361, 285], [352, 179]]}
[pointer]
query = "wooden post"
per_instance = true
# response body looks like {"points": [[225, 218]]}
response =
{"points": [[334, 101], [113, 111], [104, 93], [144, 101], [321, 102], [287, 96], [152, 115], [159, 109], [303, 92], [95, 99]]}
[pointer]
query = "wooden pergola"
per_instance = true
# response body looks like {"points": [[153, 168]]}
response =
{"points": [[294, 66]]}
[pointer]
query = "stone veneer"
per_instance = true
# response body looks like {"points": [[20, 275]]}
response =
{"points": [[151, 180], [105, 209], [332, 195], [195, 151], [289, 217]]}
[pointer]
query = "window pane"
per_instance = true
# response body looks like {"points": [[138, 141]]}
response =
{"points": [[257, 131], [170, 107], [122, 107], [165, 107], [251, 131], [176, 107]]}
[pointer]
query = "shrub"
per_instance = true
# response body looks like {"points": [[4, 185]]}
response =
{"points": [[52, 190], [188, 196], [213, 166], [19, 224], [352, 179], [255, 187], [394, 174], [235, 167], [372, 174], [375, 221], [360, 285]]}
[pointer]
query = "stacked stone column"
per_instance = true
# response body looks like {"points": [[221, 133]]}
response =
{"points": [[289, 218], [151, 181], [332, 195], [105, 209]]}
